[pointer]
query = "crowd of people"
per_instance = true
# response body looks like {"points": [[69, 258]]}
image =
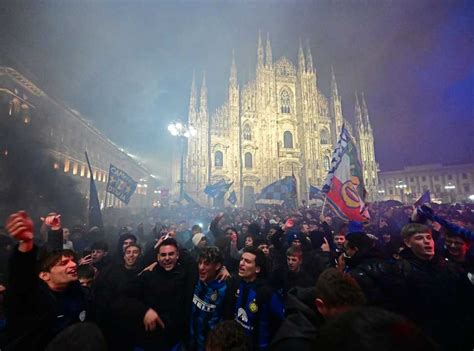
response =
{"points": [[271, 278]]}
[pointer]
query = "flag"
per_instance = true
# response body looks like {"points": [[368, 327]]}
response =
{"points": [[232, 198], [315, 193], [424, 198], [120, 184], [188, 200], [218, 189], [283, 190], [95, 215], [344, 185]]}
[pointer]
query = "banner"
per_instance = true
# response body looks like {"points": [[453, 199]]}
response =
{"points": [[232, 198], [344, 186], [95, 215], [282, 190], [120, 184], [315, 193], [218, 189]]}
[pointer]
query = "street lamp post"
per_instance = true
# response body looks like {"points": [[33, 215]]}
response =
{"points": [[449, 188], [402, 186], [183, 132]]}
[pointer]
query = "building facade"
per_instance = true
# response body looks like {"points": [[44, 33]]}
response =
{"points": [[67, 135], [446, 184], [277, 125]]}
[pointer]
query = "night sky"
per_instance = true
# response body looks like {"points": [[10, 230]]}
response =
{"points": [[127, 65]]}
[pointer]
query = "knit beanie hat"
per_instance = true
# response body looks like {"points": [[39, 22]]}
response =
{"points": [[197, 238]]}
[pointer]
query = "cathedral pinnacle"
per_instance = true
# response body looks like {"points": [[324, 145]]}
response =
{"points": [[309, 58], [268, 53], [334, 91], [358, 113], [301, 63], [192, 100], [365, 113], [260, 50], [203, 101], [233, 71]]}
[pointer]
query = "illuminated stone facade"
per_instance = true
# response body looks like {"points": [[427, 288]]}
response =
{"points": [[66, 135], [276, 125]]}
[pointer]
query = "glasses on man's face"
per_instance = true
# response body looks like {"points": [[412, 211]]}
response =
{"points": [[453, 243]]}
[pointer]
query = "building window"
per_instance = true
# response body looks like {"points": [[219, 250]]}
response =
{"points": [[288, 140], [83, 170], [412, 179], [326, 163], [285, 102], [423, 178], [324, 137], [74, 168], [438, 188], [247, 132], [218, 159], [450, 177], [66, 165], [436, 177], [467, 188], [390, 191], [248, 160], [464, 176]]}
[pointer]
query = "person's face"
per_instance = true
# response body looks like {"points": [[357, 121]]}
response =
{"points": [[61, 274], [348, 250], [248, 241], [168, 257], [339, 241], [86, 282], [98, 254], [304, 228], [127, 243], [272, 232], [386, 238], [422, 245], [456, 247], [265, 249], [294, 263], [130, 256], [66, 233], [202, 243], [296, 243], [208, 271], [248, 269], [328, 220]]}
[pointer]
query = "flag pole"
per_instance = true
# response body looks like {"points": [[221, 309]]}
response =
{"points": [[324, 204]]}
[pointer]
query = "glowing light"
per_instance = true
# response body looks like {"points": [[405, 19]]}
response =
{"points": [[471, 197]]}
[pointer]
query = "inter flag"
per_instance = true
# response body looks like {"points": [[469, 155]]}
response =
{"points": [[232, 198], [95, 215], [218, 189], [424, 198], [120, 184], [315, 193], [344, 186], [283, 190]]}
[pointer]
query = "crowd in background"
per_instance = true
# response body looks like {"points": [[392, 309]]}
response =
{"points": [[191, 278]]}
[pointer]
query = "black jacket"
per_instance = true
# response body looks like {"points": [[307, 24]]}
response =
{"points": [[35, 314], [300, 327]]}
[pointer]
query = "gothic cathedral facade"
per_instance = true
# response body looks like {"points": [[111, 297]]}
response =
{"points": [[277, 125]]}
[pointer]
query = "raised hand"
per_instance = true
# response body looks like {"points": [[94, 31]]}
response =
{"points": [[52, 220], [152, 320], [20, 226]]}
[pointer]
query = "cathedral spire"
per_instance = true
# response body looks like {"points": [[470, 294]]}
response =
{"points": [[233, 71], [334, 91], [260, 51], [309, 58], [365, 113], [203, 101], [268, 53], [192, 100], [301, 63], [358, 114]]}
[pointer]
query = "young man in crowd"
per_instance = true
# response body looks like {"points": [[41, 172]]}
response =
{"points": [[438, 294], [307, 309], [156, 303], [40, 305], [211, 299], [258, 308]]}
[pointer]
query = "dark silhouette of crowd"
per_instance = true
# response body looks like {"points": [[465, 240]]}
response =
{"points": [[270, 278]]}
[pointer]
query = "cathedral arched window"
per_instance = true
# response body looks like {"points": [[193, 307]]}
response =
{"points": [[247, 132], [285, 102], [248, 160], [326, 163], [218, 159], [324, 137], [287, 140]]}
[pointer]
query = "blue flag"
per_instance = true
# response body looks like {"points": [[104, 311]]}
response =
{"points": [[232, 198], [218, 189], [120, 184], [315, 193], [425, 198], [282, 190], [95, 215]]}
